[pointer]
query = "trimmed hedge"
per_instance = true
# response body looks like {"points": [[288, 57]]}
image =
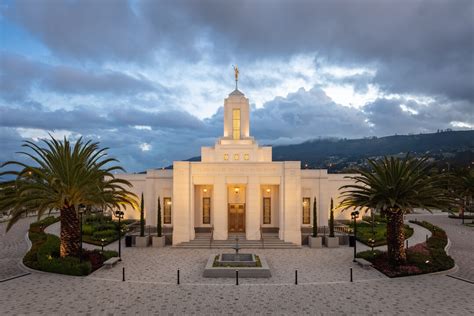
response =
{"points": [[422, 258], [44, 253]]}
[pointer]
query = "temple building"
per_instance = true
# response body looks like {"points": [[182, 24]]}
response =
{"points": [[237, 188]]}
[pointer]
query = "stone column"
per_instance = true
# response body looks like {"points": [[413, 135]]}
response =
{"points": [[220, 208], [252, 212], [181, 208], [292, 215]]}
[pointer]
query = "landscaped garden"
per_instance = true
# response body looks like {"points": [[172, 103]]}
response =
{"points": [[365, 235], [426, 257], [99, 229], [44, 254]]}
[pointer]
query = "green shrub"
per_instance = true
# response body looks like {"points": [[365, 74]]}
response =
{"points": [[110, 233], [87, 229], [109, 254]]}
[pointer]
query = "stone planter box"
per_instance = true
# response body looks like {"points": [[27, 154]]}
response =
{"points": [[315, 242], [158, 242], [331, 242], [229, 272], [142, 241]]}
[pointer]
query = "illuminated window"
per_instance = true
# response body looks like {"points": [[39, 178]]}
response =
{"points": [[246, 157], [167, 210], [206, 210], [236, 156], [236, 123], [306, 213], [267, 210], [226, 156]]}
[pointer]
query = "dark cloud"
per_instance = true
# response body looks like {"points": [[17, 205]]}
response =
{"points": [[421, 47], [392, 116], [19, 74]]}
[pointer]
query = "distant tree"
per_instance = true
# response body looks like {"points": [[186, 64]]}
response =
{"points": [[315, 219], [142, 217], [158, 221], [331, 220]]}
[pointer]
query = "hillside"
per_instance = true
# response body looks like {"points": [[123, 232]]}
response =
{"points": [[453, 147]]}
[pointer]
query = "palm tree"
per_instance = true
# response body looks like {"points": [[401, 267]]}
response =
{"points": [[395, 187], [63, 177]]}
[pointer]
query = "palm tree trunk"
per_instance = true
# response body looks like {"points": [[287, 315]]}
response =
{"points": [[395, 238], [70, 232]]}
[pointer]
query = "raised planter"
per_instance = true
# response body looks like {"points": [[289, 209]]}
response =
{"points": [[142, 241], [315, 242], [158, 242], [331, 242]]}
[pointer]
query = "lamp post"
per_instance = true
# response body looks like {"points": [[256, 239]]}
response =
{"points": [[119, 214], [102, 244], [354, 216], [373, 229], [81, 211]]}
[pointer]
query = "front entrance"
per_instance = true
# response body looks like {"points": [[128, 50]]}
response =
{"points": [[236, 218]]}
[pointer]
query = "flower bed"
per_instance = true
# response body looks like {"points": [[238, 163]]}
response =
{"points": [[422, 258], [44, 253]]}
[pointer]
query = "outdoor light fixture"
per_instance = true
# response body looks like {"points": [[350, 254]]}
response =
{"points": [[236, 190], [204, 190], [354, 216], [268, 190], [119, 214]]}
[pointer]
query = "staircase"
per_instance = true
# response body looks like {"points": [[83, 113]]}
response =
{"points": [[270, 241]]}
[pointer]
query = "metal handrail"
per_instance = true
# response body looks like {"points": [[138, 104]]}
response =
{"points": [[212, 237], [261, 237]]}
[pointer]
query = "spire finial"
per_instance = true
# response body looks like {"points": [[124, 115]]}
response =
{"points": [[236, 73]]}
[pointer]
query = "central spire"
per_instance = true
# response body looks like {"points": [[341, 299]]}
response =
{"points": [[236, 73]]}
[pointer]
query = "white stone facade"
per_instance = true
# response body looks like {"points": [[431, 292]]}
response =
{"points": [[237, 188]]}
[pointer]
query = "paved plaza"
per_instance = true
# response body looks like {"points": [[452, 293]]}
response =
{"points": [[150, 286]]}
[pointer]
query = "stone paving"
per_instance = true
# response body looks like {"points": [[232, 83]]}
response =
{"points": [[150, 288], [13, 247]]}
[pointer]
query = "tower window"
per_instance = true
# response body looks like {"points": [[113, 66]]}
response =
{"points": [[236, 123], [226, 156]]}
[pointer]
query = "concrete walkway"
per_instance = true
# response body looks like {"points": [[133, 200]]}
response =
{"points": [[150, 287]]}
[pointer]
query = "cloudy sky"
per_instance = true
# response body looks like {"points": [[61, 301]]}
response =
{"points": [[148, 78]]}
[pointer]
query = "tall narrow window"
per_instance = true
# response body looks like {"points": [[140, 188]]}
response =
{"points": [[267, 210], [206, 210], [306, 213], [236, 123], [167, 210]]}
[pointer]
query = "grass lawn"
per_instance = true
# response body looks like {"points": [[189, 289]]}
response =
{"points": [[364, 232]]}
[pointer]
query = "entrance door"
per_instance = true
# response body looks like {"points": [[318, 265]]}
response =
{"points": [[236, 218]]}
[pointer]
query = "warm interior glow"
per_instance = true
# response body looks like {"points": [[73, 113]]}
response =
{"points": [[268, 190], [236, 190], [236, 123], [204, 190]]}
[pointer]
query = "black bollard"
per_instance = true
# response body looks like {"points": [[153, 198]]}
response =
{"points": [[407, 243], [177, 277], [426, 237], [236, 277], [351, 274], [123, 274], [296, 277]]}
